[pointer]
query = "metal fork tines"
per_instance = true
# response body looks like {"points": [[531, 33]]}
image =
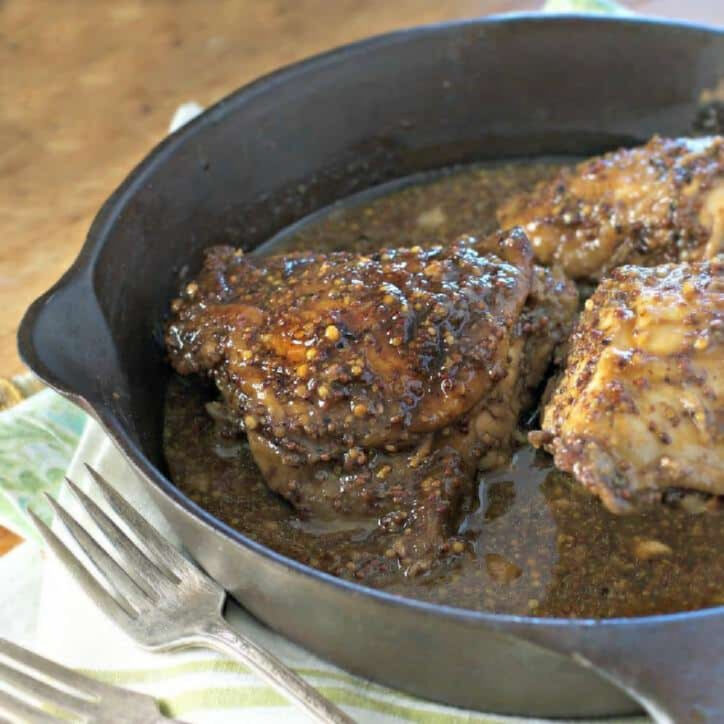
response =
{"points": [[161, 599], [34, 690]]}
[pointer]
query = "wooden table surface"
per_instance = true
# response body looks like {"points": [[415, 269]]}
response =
{"points": [[87, 88]]}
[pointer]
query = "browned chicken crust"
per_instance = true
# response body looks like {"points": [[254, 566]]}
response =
{"points": [[661, 202], [327, 351], [372, 386], [640, 406]]}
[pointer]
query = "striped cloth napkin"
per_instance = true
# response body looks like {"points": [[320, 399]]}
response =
{"points": [[40, 606]]}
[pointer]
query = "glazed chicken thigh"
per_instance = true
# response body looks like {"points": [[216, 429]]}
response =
{"points": [[661, 202], [640, 407], [371, 387]]}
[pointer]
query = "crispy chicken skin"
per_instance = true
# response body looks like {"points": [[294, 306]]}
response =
{"points": [[372, 386], [640, 406], [325, 352], [662, 202]]}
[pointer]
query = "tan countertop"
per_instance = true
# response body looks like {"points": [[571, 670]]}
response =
{"points": [[87, 88]]}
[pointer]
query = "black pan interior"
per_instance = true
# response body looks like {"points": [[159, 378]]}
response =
{"points": [[379, 110]]}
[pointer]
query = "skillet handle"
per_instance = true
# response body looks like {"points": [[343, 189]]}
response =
{"points": [[672, 665], [65, 340]]}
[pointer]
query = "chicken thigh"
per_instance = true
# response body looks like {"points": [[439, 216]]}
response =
{"points": [[661, 202], [639, 409], [372, 386]]}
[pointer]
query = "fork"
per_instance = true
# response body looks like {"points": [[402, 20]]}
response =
{"points": [[161, 599], [45, 685]]}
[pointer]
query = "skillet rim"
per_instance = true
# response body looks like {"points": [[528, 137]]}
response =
{"points": [[81, 271]]}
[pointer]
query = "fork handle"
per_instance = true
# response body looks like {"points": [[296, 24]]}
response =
{"points": [[217, 634]]}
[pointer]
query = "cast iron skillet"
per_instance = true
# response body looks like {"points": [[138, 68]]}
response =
{"points": [[300, 139]]}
